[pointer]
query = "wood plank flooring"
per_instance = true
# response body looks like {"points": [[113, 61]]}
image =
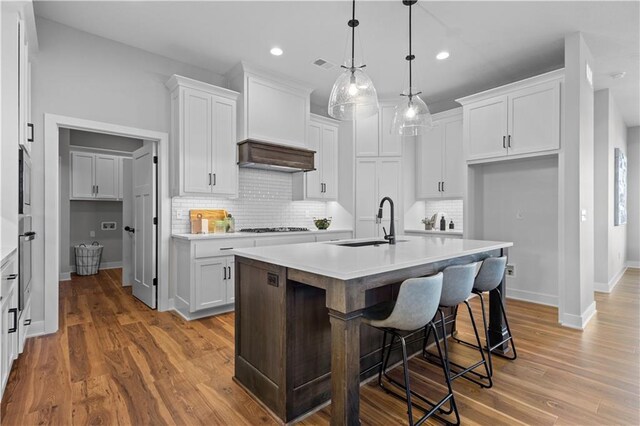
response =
{"points": [[116, 362]]}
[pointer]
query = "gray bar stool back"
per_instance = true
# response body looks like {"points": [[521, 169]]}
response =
{"points": [[489, 278], [457, 285], [413, 310]]}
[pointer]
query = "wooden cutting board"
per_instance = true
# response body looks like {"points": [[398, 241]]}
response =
{"points": [[210, 214]]}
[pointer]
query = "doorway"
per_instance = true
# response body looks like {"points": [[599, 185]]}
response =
{"points": [[51, 261]]}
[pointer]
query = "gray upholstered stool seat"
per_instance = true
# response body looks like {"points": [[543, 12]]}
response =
{"points": [[488, 279], [457, 288], [412, 311]]}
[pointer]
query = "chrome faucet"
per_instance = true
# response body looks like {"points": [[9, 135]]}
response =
{"points": [[391, 236]]}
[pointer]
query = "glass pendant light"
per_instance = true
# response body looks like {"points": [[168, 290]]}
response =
{"points": [[353, 95], [412, 117]]}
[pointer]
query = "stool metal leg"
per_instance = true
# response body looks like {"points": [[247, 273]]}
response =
{"points": [[510, 338]]}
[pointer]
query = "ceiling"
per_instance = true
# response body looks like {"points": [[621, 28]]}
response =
{"points": [[491, 43]]}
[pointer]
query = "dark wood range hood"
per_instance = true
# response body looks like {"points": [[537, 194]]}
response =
{"points": [[270, 156]]}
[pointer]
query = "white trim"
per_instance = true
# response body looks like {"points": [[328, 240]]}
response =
{"points": [[36, 329], [117, 153], [103, 265], [205, 313], [579, 322], [51, 261], [177, 80], [607, 287], [65, 276], [533, 297], [633, 264]]}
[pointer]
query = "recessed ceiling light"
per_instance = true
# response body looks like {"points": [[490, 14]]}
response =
{"points": [[442, 55], [276, 51]]}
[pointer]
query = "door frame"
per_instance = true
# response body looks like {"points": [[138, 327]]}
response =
{"points": [[52, 124]]}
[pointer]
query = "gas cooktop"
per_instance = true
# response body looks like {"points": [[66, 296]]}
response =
{"points": [[280, 229]]}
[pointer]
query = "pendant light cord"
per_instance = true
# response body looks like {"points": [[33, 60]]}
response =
{"points": [[353, 36], [410, 55]]}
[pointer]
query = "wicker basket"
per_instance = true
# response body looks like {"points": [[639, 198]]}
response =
{"points": [[88, 258]]}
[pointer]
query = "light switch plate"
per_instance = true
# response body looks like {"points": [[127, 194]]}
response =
{"points": [[511, 270]]}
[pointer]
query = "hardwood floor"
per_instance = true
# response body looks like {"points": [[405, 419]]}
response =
{"points": [[116, 362]]}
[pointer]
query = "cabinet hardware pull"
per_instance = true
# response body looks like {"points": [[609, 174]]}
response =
{"points": [[27, 321], [225, 272], [214, 179], [229, 271], [504, 141], [12, 277], [509, 142], [97, 189], [442, 186], [30, 125], [209, 179], [226, 248], [14, 312]]}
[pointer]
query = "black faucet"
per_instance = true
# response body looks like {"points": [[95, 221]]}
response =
{"points": [[391, 236]]}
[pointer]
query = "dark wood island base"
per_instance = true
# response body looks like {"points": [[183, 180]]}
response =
{"points": [[297, 334]]}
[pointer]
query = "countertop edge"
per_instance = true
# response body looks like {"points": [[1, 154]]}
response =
{"points": [[436, 232], [234, 235]]}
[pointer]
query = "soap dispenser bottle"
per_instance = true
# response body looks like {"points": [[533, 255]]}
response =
{"points": [[451, 226], [443, 224]]}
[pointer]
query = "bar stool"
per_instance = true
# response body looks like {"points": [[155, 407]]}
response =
{"points": [[457, 285], [413, 310], [488, 279]]}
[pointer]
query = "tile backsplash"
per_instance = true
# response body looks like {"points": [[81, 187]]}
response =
{"points": [[264, 200], [451, 208]]}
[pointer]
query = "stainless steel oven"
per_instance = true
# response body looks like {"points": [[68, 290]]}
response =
{"points": [[24, 182], [24, 259]]}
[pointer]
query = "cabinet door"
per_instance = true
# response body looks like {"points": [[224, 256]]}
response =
{"points": [[197, 153], [120, 178], [231, 280], [82, 182], [367, 134], [9, 343], [366, 198], [106, 176], [225, 165], [23, 73], [314, 178], [486, 127], [329, 154], [210, 283], [390, 143], [390, 185], [429, 157], [534, 119], [453, 161]]}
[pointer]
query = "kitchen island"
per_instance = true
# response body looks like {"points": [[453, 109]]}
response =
{"points": [[299, 338]]}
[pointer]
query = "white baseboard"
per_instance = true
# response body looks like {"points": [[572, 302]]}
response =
{"points": [[579, 322], [533, 297], [607, 287], [633, 264], [36, 329], [103, 265], [65, 276]]}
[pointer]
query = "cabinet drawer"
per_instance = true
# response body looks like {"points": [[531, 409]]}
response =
{"points": [[9, 276], [293, 239], [219, 248], [333, 236]]}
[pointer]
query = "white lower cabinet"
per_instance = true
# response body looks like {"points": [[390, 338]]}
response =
{"points": [[8, 319], [204, 272]]}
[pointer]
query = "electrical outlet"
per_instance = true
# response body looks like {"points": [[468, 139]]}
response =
{"points": [[108, 226], [511, 270], [179, 214]]}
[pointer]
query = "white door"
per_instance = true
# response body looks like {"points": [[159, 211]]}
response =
{"points": [[225, 165], [454, 163], [429, 163], [329, 154], [106, 177], [144, 211], [313, 178], [366, 198], [197, 142], [486, 129], [82, 183], [534, 119], [128, 221]]}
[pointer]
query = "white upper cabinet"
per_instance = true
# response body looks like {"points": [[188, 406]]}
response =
{"points": [[271, 108], [95, 176], [373, 134], [522, 118], [203, 138], [25, 129], [440, 163], [321, 183]]}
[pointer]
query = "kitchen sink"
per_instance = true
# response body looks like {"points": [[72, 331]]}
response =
{"points": [[367, 243]]}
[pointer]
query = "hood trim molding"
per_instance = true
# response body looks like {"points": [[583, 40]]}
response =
{"points": [[265, 155]]}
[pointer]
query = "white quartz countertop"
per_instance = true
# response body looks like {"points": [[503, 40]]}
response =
{"points": [[345, 263], [254, 234], [435, 231]]}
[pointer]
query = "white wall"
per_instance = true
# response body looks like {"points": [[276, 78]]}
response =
{"points": [[518, 201], [81, 75], [633, 197], [610, 132]]}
